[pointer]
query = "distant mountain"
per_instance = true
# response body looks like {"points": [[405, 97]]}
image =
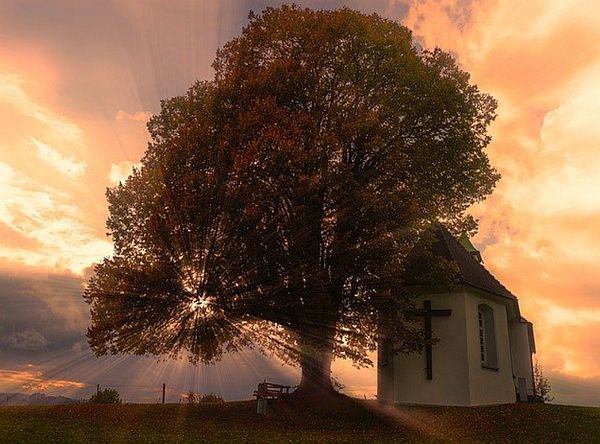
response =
{"points": [[35, 399]]}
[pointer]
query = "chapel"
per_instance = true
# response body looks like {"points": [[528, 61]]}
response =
{"points": [[479, 348]]}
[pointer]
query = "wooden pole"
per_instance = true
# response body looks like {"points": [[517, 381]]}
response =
{"points": [[97, 389], [163, 393]]}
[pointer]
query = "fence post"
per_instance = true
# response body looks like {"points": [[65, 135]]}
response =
{"points": [[163, 393], [97, 389]]}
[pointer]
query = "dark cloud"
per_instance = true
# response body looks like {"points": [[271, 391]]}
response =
{"points": [[28, 340], [575, 391], [41, 312]]}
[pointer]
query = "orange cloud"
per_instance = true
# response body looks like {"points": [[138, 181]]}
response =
{"points": [[140, 116], [119, 172], [540, 230], [13, 93], [45, 215], [31, 380], [64, 165]]}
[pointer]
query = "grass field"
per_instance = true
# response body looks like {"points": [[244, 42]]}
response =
{"points": [[299, 421]]}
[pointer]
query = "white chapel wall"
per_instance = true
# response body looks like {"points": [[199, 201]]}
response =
{"points": [[488, 386], [450, 383], [521, 353]]}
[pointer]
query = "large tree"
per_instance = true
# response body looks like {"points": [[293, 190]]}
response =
{"points": [[275, 204]]}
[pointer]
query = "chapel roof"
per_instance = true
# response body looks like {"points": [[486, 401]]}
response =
{"points": [[470, 270]]}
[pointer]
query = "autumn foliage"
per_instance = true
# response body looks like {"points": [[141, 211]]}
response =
{"points": [[276, 203]]}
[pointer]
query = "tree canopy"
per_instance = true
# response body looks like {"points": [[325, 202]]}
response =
{"points": [[276, 203]]}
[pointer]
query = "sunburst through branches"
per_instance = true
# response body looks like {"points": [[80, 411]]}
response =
{"points": [[275, 204]]}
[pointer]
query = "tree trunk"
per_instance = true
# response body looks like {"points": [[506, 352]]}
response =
{"points": [[316, 353]]}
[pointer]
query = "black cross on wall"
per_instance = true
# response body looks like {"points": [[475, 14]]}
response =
{"points": [[427, 314]]}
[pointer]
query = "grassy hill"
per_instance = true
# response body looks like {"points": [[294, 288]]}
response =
{"points": [[299, 421]]}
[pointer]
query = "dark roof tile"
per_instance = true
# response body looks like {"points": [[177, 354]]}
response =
{"points": [[470, 270]]}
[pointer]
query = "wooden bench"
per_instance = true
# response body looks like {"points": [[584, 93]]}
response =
{"points": [[269, 390]]}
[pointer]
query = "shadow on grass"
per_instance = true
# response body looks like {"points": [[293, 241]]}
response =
{"points": [[330, 419]]}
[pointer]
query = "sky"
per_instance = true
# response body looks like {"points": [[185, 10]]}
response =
{"points": [[79, 79]]}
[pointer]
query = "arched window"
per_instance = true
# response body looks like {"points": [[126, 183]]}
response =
{"points": [[487, 337]]}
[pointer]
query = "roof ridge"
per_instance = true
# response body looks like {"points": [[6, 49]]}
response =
{"points": [[469, 267]]}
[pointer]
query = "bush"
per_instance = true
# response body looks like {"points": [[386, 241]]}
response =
{"points": [[211, 398], [106, 396], [197, 398], [542, 386], [191, 397]]}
